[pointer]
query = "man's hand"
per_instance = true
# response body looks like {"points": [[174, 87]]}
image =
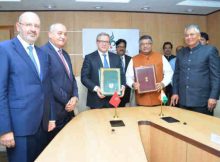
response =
{"points": [[8, 140], [122, 91], [159, 86], [135, 85], [51, 125], [174, 100], [71, 104], [211, 104], [99, 93]]}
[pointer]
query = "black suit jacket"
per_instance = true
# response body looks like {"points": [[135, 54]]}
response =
{"points": [[63, 87], [126, 97], [90, 76]]}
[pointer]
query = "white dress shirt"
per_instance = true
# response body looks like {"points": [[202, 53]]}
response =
{"points": [[26, 45], [102, 57], [167, 73]]}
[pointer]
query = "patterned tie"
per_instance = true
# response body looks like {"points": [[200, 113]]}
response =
{"points": [[105, 62], [64, 62], [31, 55], [122, 63]]}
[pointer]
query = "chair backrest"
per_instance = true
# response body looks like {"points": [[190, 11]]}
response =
{"points": [[82, 90]]}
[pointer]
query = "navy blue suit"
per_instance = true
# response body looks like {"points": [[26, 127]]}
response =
{"points": [[64, 87], [90, 77], [25, 98], [197, 77]]}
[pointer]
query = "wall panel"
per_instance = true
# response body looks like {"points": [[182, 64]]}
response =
{"points": [[162, 27]]}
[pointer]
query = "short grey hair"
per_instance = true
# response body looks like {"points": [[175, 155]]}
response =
{"points": [[102, 34], [192, 26], [53, 26]]}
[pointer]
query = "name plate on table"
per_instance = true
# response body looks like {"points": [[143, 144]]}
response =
{"points": [[145, 76], [110, 81]]}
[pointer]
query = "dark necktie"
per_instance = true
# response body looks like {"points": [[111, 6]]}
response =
{"points": [[64, 62], [105, 62]]}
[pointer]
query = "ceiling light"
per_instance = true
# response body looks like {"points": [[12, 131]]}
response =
{"points": [[111, 1], [189, 10], [49, 6], [199, 3], [98, 7], [145, 8]]}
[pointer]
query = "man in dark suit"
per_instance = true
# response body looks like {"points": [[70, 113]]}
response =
{"points": [[121, 45], [90, 71], [25, 92], [64, 85], [196, 80]]}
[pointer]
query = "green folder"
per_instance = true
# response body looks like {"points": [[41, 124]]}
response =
{"points": [[110, 81]]}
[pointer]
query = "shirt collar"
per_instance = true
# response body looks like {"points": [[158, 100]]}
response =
{"points": [[195, 48], [56, 49], [24, 43], [101, 53]]}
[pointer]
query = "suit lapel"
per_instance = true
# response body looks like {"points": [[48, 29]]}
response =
{"points": [[127, 60], [98, 59], [54, 52], [22, 52], [111, 60]]}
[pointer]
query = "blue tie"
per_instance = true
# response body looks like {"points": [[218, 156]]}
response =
{"points": [[105, 62], [31, 55]]}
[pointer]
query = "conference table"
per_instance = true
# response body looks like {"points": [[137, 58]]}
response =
{"points": [[89, 137]]}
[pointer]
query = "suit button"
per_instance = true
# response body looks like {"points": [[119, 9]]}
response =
{"points": [[187, 87], [189, 60], [188, 68], [187, 77]]}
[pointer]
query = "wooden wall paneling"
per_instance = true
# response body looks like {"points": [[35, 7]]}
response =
{"points": [[6, 32], [77, 61], [74, 43], [88, 20], [116, 20], [213, 23]]}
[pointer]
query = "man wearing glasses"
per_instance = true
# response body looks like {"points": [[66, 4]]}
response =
{"points": [[163, 72], [25, 93], [101, 58]]}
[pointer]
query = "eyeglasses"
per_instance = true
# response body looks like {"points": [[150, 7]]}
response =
{"points": [[190, 35], [101, 41], [29, 25], [143, 44]]}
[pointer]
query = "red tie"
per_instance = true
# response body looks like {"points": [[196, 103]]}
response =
{"points": [[64, 62]]}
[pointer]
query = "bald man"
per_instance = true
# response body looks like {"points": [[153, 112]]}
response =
{"points": [[26, 112], [64, 85]]}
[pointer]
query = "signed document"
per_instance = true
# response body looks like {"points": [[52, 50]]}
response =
{"points": [[145, 76], [110, 81]]}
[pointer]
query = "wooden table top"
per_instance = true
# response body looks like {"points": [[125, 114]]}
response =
{"points": [[89, 136]]}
